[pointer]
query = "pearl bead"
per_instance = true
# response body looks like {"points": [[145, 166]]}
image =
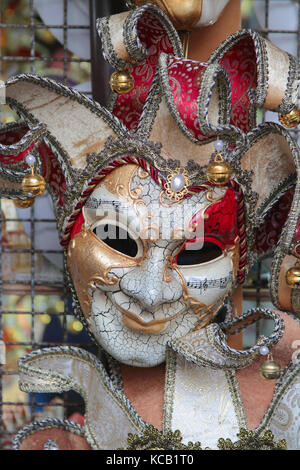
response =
{"points": [[264, 350], [218, 144], [177, 183], [29, 194], [30, 160]]}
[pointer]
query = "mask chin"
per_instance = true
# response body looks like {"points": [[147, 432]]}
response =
{"points": [[128, 346]]}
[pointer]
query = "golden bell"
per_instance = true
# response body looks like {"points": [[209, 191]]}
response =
{"points": [[270, 369], [184, 14], [24, 203], [33, 185], [293, 277], [291, 119], [218, 172], [121, 82]]}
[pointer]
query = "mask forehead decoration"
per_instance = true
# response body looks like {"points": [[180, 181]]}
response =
{"points": [[142, 168]]}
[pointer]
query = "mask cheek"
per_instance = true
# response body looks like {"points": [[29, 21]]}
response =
{"points": [[211, 281], [90, 262]]}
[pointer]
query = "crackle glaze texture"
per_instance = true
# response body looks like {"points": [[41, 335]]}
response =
{"points": [[138, 306]]}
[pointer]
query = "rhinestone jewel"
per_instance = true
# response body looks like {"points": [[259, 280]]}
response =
{"points": [[177, 183], [218, 144], [264, 350], [30, 160]]}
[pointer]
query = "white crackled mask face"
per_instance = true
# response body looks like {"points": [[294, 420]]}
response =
{"points": [[144, 270]]}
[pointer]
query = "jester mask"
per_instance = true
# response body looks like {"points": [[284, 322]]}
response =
{"points": [[153, 247]]}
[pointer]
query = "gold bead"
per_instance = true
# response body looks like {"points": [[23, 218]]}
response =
{"points": [[24, 203], [33, 185], [291, 119], [270, 369], [121, 82], [293, 277], [218, 172]]}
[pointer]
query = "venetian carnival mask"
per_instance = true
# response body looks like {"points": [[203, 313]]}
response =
{"points": [[154, 248], [139, 275]]}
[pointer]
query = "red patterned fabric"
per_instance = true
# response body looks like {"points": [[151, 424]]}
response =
{"points": [[52, 172], [239, 61], [185, 79], [129, 106], [240, 65], [221, 226], [11, 137], [268, 234]]}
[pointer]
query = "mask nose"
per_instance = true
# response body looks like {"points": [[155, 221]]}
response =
{"points": [[146, 283]]}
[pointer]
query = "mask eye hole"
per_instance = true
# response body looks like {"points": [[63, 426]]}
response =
{"points": [[118, 238], [190, 257]]}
